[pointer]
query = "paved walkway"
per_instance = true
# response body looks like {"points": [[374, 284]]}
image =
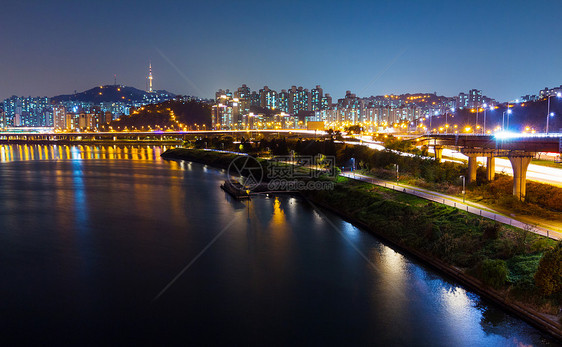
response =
{"points": [[454, 201]]}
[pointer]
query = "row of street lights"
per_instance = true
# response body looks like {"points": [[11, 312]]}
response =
{"points": [[508, 112]]}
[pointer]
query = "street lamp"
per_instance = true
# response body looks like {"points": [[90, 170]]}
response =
{"points": [[476, 124], [463, 187], [446, 121], [484, 128], [430, 117], [548, 114], [503, 117]]}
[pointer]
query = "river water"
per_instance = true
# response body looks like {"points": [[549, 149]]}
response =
{"points": [[113, 244]]}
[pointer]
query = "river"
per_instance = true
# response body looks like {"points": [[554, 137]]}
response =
{"points": [[113, 244]]}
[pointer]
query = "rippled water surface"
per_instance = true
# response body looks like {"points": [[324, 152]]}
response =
{"points": [[90, 236]]}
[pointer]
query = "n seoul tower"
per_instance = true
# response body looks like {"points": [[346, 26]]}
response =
{"points": [[149, 77]]}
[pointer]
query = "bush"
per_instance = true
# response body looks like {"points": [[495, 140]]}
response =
{"points": [[549, 274], [522, 268], [493, 272], [539, 244], [490, 230]]}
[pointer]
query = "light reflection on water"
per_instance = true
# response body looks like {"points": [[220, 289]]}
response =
{"points": [[102, 229], [10, 153]]}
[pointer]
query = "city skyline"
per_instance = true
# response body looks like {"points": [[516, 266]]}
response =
{"points": [[505, 49]]}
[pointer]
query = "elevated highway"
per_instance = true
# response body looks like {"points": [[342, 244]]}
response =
{"points": [[52, 136], [518, 148]]}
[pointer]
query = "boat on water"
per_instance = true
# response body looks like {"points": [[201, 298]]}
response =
{"points": [[235, 189]]}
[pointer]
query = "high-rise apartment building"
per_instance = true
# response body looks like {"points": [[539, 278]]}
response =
{"points": [[474, 98], [316, 95], [268, 98], [462, 100], [27, 111], [244, 98], [59, 117], [255, 99], [283, 101], [326, 102], [351, 107], [299, 100], [221, 94]]}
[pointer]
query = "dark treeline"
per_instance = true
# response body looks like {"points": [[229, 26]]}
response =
{"points": [[365, 158]]}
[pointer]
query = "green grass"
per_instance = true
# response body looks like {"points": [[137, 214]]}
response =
{"points": [[548, 163]]}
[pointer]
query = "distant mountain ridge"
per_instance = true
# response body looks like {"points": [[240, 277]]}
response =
{"points": [[109, 93]]}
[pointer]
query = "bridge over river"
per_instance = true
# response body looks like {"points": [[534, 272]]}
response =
{"points": [[518, 148]]}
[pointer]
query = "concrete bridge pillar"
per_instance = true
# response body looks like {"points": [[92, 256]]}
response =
{"points": [[519, 163], [473, 154], [438, 150], [472, 166], [490, 167]]}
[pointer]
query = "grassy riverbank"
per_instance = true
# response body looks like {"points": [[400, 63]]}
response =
{"points": [[497, 260]]}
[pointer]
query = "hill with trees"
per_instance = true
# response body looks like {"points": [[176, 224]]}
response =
{"points": [[171, 114], [110, 93]]}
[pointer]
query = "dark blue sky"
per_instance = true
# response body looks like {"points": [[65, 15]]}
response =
{"points": [[505, 48]]}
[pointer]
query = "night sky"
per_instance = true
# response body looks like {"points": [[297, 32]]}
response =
{"points": [[505, 48]]}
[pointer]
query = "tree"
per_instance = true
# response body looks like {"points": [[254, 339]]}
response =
{"points": [[549, 274]]}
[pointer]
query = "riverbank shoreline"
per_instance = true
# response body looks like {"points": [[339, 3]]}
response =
{"points": [[533, 317]]}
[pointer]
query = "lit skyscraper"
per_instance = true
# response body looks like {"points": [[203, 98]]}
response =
{"points": [[299, 100], [59, 117], [268, 98], [243, 96], [316, 99], [283, 101]]}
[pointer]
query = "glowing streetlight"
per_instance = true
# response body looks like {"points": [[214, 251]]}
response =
{"points": [[548, 114], [484, 128], [446, 121], [503, 117], [463, 187]]}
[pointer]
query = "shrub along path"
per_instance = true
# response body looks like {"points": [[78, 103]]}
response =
{"points": [[453, 201]]}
